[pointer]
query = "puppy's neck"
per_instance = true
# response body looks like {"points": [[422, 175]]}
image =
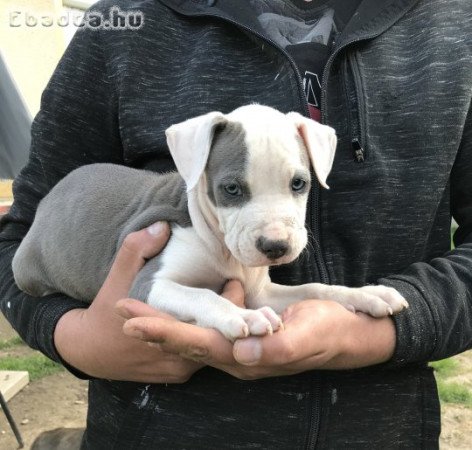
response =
{"points": [[205, 222]]}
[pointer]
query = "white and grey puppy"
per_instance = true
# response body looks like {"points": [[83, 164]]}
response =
{"points": [[237, 206]]}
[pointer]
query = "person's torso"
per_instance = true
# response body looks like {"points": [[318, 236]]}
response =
{"points": [[387, 91]]}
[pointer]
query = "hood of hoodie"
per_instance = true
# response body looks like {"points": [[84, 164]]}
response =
{"points": [[371, 18]]}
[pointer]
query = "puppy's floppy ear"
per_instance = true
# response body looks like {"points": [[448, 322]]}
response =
{"points": [[320, 140], [189, 144]]}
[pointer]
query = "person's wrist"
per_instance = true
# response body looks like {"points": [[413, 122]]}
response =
{"points": [[387, 335], [69, 337], [369, 341]]}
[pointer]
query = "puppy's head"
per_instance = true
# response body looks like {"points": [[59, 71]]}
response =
{"points": [[254, 165]]}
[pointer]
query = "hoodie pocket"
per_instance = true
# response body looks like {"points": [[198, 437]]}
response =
{"points": [[355, 102]]}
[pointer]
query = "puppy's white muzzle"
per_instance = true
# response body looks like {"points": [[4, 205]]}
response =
{"points": [[266, 243]]}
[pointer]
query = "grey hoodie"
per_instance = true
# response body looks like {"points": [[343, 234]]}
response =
{"points": [[398, 86]]}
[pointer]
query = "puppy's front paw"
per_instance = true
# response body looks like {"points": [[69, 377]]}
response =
{"points": [[378, 301], [250, 322]]}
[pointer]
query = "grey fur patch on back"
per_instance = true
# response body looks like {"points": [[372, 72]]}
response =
{"points": [[227, 164], [168, 202], [82, 222]]}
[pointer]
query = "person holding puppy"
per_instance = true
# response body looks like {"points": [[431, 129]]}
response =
{"points": [[392, 77]]}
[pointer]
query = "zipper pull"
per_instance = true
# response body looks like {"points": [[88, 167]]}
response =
{"points": [[359, 153]]}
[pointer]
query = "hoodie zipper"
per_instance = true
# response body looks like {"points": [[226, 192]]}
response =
{"points": [[315, 411], [357, 139], [354, 116], [315, 219], [358, 126]]}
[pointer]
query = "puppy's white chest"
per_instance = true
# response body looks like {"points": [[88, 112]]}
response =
{"points": [[189, 261]]}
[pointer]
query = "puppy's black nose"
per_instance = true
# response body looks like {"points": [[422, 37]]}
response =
{"points": [[272, 249]]}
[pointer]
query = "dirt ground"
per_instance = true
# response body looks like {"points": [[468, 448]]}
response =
{"points": [[456, 425], [60, 400]]}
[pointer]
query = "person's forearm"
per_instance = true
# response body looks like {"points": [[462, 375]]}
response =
{"points": [[33, 318]]}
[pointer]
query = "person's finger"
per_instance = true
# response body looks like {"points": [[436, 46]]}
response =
{"points": [[234, 292], [189, 341], [283, 347], [139, 246], [128, 308], [131, 257], [292, 344]]}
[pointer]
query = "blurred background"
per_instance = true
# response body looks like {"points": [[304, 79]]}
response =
{"points": [[31, 51], [33, 36]]}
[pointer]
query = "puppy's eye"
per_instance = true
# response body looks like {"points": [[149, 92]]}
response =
{"points": [[233, 189], [298, 184]]}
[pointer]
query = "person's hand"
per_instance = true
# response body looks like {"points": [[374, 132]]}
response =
{"points": [[317, 335], [92, 341]]}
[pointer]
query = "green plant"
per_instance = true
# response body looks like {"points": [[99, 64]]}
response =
{"points": [[36, 364], [10, 343], [450, 392], [445, 367]]}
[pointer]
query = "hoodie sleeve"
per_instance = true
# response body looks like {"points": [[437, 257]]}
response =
{"points": [[77, 125], [438, 323]]}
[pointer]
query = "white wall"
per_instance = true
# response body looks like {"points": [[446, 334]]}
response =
{"points": [[32, 52]]}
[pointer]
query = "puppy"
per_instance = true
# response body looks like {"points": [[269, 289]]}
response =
{"points": [[237, 206]]}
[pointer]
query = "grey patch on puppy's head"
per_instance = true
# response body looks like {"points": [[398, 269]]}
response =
{"points": [[226, 167]]}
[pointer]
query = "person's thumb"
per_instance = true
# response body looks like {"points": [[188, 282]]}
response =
{"points": [[136, 249], [144, 244], [234, 292]]}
